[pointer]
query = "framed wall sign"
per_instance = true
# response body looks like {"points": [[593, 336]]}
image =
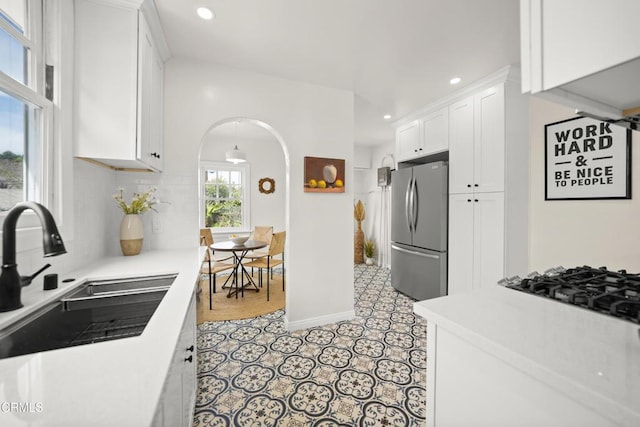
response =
{"points": [[587, 159]]}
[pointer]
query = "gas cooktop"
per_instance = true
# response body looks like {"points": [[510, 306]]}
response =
{"points": [[616, 293]]}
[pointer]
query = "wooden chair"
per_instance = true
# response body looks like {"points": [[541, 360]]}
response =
{"points": [[261, 233], [268, 262], [211, 267], [206, 239]]}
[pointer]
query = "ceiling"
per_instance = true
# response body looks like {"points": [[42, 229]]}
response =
{"points": [[395, 55]]}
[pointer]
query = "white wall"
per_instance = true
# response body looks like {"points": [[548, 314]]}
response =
{"points": [[266, 160], [312, 121], [371, 194], [572, 233]]}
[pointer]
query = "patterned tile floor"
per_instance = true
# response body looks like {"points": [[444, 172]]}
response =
{"points": [[369, 371]]}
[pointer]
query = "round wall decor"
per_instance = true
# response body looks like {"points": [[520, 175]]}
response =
{"points": [[267, 185]]}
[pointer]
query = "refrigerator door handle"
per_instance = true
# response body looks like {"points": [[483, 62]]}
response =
{"points": [[407, 204], [415, 205], [406, 251]]}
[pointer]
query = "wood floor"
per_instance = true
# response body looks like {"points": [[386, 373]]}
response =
{"points": [[253, 304]]}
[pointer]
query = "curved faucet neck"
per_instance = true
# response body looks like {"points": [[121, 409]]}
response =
{"points": [[49, 229]]}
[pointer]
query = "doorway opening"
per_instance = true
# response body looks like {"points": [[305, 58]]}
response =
{"points": [[241, 198]]}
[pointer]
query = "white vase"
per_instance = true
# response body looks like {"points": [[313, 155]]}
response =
{"points": [[369, 261], [131, 234], [330, 173]]}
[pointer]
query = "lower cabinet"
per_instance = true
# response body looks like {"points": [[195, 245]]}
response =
{"points": [[476, 240], [495, 392], [178, 396]]}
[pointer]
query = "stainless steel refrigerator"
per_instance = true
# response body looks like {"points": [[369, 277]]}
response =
{"points": [[419, 230]]}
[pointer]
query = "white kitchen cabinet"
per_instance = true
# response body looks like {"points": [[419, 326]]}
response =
{"points": [[177, 403], [516, 359], [409, 141], [495, 392], [424, 136], [582, 54], [476, 241], [477, 142], [118, 109], [435, 131]]}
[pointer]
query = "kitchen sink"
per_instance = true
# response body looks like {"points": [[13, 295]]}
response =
{"points": [[95, 311]]}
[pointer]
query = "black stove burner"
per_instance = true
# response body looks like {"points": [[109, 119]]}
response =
{"points": [[616, 293]]}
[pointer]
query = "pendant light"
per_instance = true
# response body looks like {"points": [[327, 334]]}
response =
{"points": [[236, 156]]}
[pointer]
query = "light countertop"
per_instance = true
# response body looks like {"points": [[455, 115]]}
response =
{"points": [[110, 383], [594, 358]]}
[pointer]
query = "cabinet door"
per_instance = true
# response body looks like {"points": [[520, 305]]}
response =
{"points": [[488, 239], [156, 131], [435, 131], [189, 374], [489, 140], [178, 396], [578, 37], [460, 243], [145, 92], [408, 141], [105, 78], [461, 146]]}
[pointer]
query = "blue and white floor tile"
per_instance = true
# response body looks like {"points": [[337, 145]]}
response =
{"points": [[366, 372]]}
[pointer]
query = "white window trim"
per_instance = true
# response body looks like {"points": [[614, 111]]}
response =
{"points": [[33, 94], [246, 194], [56, 178]]}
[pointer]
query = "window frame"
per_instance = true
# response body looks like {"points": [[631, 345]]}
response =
{"points": [[32, 93], [245, 177]]}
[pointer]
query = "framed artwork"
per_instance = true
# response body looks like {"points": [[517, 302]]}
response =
{"points": [[322, 175], [587, 159]]}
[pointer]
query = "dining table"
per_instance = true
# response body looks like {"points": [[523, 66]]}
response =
{"points": [[239, 251]]}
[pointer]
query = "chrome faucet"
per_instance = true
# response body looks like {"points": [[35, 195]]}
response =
{"points": [[10, 281]]}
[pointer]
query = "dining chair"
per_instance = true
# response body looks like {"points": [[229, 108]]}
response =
{"points": [[268, 262], [211, 268], [206, 239], [261, 233]]}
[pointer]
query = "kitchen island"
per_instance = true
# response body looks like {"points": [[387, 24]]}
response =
{"points": [[119, 382], [499, 357]]}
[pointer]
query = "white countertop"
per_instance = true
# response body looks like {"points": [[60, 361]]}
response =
{"points": [[594, 358], [113, 383]]}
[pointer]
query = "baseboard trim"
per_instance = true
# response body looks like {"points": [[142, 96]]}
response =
{"points": [[318, 321]]}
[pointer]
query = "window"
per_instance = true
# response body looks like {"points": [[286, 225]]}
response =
{"points": [[25, 114], [226, 196]]}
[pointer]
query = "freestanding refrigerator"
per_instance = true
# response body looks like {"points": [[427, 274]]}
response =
{"points": [[419, 230]]}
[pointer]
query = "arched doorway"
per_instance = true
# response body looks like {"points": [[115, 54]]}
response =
{"points": [[235, 198]]}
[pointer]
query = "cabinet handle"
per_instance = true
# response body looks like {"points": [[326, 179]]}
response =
{"points": [[475, 185], [468, 200], [468, 185], [189, 359], [190, 348], [156, 155], [475, 200]]}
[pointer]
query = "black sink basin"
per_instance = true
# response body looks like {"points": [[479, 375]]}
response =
{"points": [[93, 312]]}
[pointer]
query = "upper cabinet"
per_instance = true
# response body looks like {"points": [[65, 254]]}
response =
{"points": [[409, 141], [585, 55], [427, 135], [477, 142], [119, 81]]}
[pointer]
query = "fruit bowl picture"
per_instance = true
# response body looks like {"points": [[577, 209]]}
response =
{"points": [[238, 239], [323, 175]]}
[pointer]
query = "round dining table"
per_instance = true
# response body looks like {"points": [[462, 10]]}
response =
{"points": [[239, 252]]}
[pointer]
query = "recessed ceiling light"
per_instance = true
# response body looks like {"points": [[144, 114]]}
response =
{"points": [[455, 80], [387, 116], [204, 13]]}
